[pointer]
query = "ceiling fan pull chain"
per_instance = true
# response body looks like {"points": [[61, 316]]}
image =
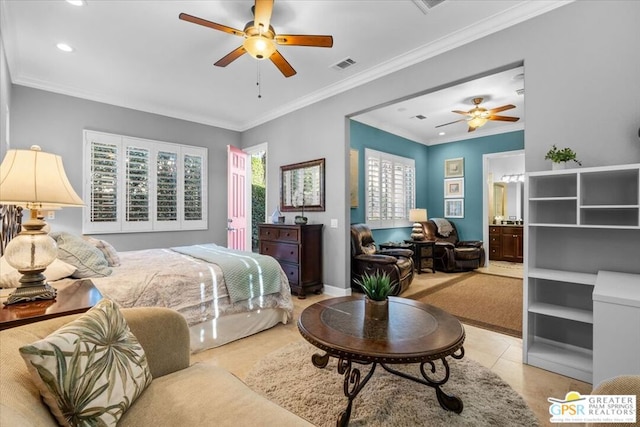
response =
{"points": [[258, 82]]}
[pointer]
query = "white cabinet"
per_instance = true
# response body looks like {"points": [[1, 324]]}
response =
{"points": [[579, 221], [616, 328]]}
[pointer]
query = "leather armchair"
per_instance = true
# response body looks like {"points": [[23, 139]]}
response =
{"points": [[451, 253], [366, 258]]}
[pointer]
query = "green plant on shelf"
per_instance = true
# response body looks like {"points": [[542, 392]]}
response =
{"points": [[563, 155]]}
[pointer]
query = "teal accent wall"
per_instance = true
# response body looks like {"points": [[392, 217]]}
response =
{"points": [[472, 150], [363, 136], [430, 174]]}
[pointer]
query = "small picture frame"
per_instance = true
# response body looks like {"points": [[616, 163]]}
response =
{"points": [[454, 187], [454, 208], [454, 168]]}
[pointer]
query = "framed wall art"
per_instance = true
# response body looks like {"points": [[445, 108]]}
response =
{"points": [[454, 208], [454, 187], [454, 168], [353, 177]]}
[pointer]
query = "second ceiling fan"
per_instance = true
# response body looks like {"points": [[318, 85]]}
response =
{"points": [[478, 116], [260, 38]]}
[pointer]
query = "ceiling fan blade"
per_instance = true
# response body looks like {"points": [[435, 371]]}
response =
{"points": [[282, 64], [504, 118], [304, 40], [205, 23], [262, 13], [466, 113], [230, 57], [503, 108], [450, 123]]}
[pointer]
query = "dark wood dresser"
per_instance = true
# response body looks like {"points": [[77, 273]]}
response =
{"points": [[298, 249], [506, 243]]}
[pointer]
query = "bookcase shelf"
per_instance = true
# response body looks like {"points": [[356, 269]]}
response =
{"points": [[579, 221]]}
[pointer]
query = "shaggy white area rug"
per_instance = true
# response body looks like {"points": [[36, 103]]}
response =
{"points": [[288, 378]]}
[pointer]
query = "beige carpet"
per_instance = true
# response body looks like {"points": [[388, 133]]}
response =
{"points": [[288, 378], [483, 300]]}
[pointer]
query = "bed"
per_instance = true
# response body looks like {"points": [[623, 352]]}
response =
{"points": [[205, 283]]}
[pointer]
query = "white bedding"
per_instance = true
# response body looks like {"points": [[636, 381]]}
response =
{"points": [[194, 288]]}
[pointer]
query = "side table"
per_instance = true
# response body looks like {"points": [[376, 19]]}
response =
{"points": [[75, 297], [423, 254]]}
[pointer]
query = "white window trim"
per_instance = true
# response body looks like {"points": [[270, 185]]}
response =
{"points": [[408, 199], [120, 225]]}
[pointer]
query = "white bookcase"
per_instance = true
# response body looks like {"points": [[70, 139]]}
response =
{"points": [[579, 221]]}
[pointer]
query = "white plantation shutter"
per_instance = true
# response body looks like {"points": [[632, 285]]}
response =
{"points": [[134, 184], [166, 186], [390, 189]]}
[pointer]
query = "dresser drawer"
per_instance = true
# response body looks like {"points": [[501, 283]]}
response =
{"points": [[288, 234], [292, 272], [512, 231], [268, 233], [494, 230], [280, 251]]}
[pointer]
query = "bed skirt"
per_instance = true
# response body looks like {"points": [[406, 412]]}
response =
{"points": [[223, 330]]}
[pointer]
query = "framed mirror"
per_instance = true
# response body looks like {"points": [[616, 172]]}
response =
{"points": [[302, 186]]}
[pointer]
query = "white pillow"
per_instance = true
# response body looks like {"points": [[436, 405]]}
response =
{"points": [[10, 277]]}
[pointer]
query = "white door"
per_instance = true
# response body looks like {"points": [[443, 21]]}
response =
{"points": [[236, 198]]}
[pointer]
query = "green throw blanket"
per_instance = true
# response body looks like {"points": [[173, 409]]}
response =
{"points": [[246, 274]]}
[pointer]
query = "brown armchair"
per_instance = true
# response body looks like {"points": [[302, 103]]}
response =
{"points": [[366, 258], [451, 253]]}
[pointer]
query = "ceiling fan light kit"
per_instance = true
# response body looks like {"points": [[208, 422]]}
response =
{"points": [[259, 42], [479, 116]]}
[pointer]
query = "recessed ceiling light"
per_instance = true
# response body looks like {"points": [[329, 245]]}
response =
{"points": [[64, 47], [76, 2], [442, 133]]}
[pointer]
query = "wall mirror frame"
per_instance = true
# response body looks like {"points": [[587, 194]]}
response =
{"points": [[302, 186]]}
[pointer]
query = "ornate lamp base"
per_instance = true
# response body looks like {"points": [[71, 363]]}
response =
{"points": [[416, 232], [31, 293]]}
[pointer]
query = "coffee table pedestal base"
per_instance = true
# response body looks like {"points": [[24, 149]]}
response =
{"points": [[354, 382]]}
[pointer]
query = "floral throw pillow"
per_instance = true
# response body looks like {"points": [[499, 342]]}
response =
{"points": [[91, 370]]}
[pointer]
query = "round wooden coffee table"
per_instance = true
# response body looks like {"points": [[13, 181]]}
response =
{"points": [[414, 333]]}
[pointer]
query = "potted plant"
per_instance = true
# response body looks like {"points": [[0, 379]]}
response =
{"points": [[560, 157], [376, 287]]}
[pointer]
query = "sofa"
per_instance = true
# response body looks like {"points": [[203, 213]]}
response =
{"points": [[451, 253], [367, 259], [179, 394]]}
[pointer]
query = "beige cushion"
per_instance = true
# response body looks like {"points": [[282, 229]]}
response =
{"points": [[109, 252], [90, 370], [10, 277], [88, 260], [205, 395]]}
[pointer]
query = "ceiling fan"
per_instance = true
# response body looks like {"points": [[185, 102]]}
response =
{"points": [[478, 116], [260, 38]]}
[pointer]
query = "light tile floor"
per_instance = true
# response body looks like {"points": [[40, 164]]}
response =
{"points": [[500, 353]]}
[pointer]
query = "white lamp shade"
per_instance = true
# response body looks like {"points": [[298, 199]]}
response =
{"points": [[37, 178], [417, 215]]}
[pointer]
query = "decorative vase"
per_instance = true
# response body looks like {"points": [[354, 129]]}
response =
{"points": [[276, 215], [558, 166], [300, 219], [376, 310]]}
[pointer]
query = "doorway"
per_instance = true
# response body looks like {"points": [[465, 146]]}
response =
{"points": [[257, 200], [503, 207]]}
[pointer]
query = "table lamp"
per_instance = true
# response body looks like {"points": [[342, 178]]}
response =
{"points": [[34, 179], [417, 216]]}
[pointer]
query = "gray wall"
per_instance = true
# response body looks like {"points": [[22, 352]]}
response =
{"points": [[5, 101], [582, 64], [55, 122]]}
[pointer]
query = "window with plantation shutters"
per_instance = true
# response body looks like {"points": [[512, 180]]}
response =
{"points": [[390, 189], [134, 184]]}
